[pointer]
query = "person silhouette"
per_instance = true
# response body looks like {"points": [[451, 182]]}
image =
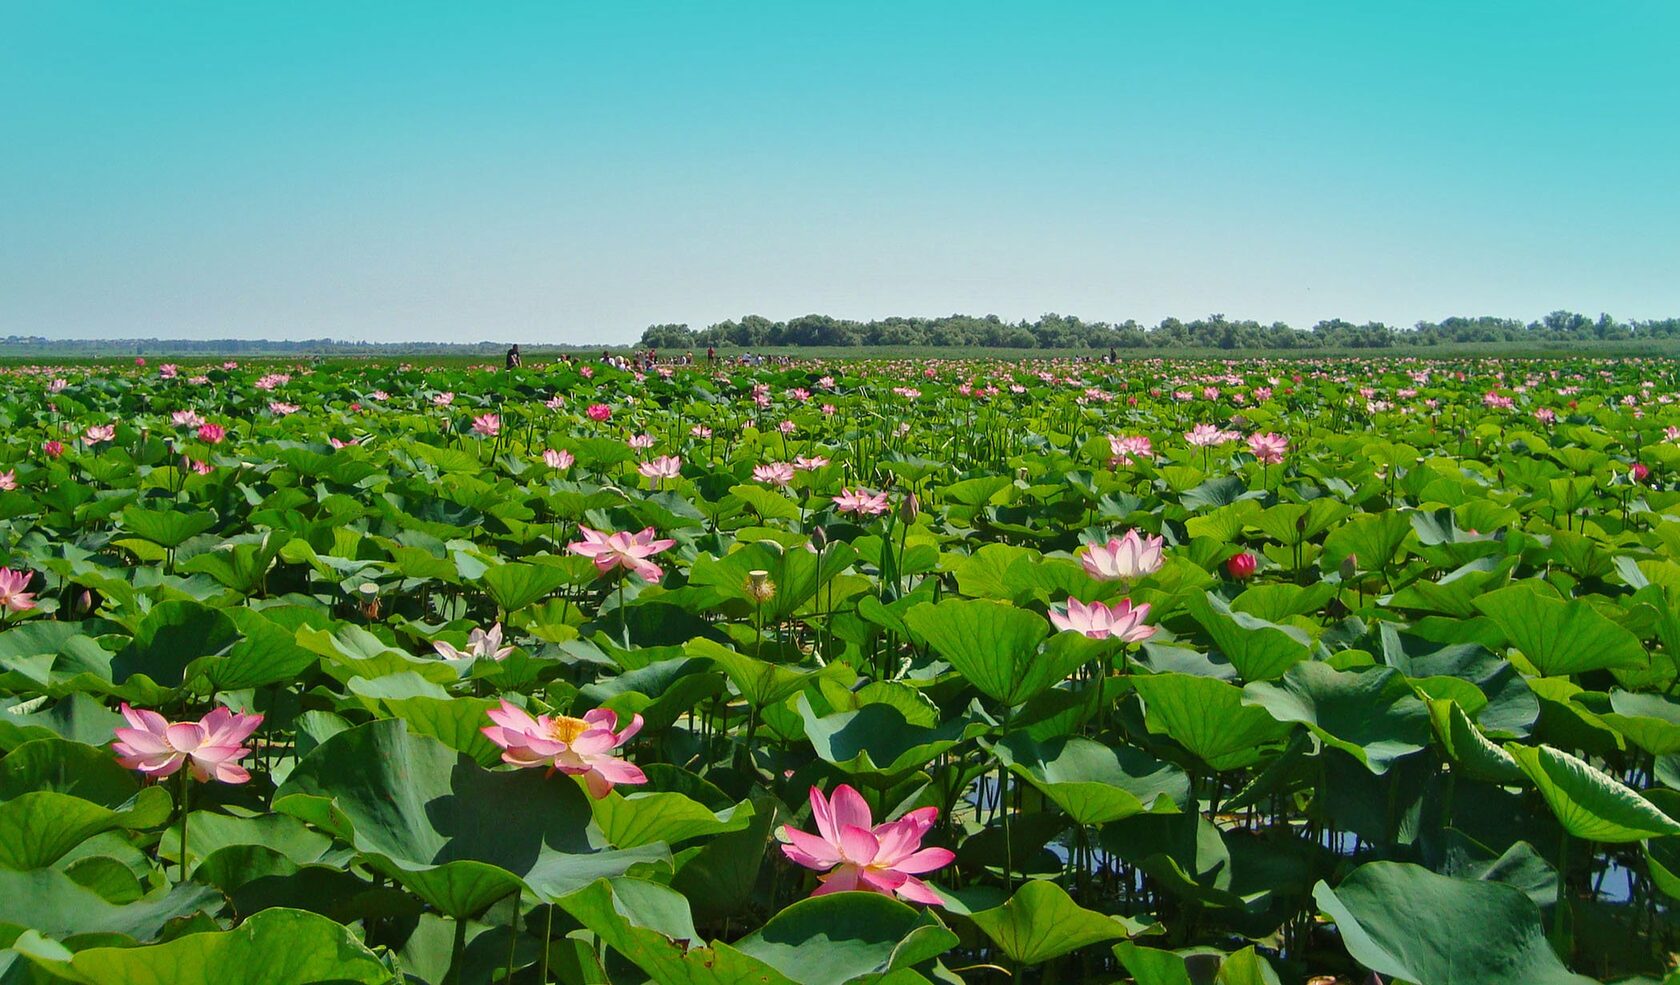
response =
{"points": [[513, 360]]}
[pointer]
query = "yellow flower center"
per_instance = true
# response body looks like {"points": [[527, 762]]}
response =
{"points": [[566, 729]]}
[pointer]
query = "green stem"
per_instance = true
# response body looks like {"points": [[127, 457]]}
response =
{"points": [[186, 792], [458, 953]]}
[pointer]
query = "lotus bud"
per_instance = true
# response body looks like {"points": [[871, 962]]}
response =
{"points": [[819, 539], [910, 508], [1350, 567]]}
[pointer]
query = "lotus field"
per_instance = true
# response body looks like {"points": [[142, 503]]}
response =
{"points": [[823, 672]]}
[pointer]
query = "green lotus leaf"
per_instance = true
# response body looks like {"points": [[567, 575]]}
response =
{"points": [[1372, 714], [460, 836], [1403, 921], [1259, 650], [844, 937], [1560, 638], [992, 644], [272, 947], [1041, 921], [1589, 803], [1096, 783], [1208, 717]]}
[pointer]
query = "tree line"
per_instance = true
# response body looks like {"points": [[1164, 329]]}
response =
{"points": [[1053, 331]]}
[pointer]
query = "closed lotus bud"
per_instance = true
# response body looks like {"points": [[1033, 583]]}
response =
{"points": [[1242, 566], [1350, 567], [819, 538], [910, 508]]}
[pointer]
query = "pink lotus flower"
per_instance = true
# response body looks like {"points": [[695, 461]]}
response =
{"points": [[854, 853], [13, 598], [197, 465], [555, 402], [8, 480], [777, 474], [1125, 558], [1268, 448], [169, 371], [561, 459], [1207, 436], [621, 550], [862, 502], [663, 467], [52, 448], [1639, 471], [804, 464], [480, 644], [99, 432], [443, 399], [209, 748], [186, 419], [212, 433], [599, 412], [279, 408], [575, 746], [1122, 448], [487, 425], [1099, 621], [640, 442], [700, 431], [57, 385]]}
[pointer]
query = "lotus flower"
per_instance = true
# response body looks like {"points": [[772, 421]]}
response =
{"points": [[599, 412], [209, 748], [561, 459], [487, 425], [1268, 449], [773, 473], [1098, 621], [1123, 448], [856, 854], [99, 432], [13, 598], [663, 467], [52, 448], [1206, 436], [480, 644], [1125, 558], [1242, 566], [862, 502], [8, 480], [576, 746], [186, 419], [621, 550], [211, 433]]}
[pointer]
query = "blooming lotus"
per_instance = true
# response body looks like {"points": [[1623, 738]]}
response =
{"points": [[97, 433], [52, 448], [211, 433], [1125, 558], [210, 748], [862, 502], [443, 399], [1124, 447], [561, 459], [663, 467], [777, 474], [8, 480], [853, 853], [640, 442], [13, 597], [480, 645], [1098, 621], [1268, 449], [599, 412], [621, 550], [487, 425], [575, 746], [803, 464], [186, 419], [1207, 436]]}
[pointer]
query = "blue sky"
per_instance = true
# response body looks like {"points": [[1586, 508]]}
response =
{"points": [[573, 172]]}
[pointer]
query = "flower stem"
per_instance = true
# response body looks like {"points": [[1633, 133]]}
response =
{"points": [[186, 792]]}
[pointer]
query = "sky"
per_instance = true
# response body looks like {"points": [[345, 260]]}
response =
{"points": [[573, 172]]}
